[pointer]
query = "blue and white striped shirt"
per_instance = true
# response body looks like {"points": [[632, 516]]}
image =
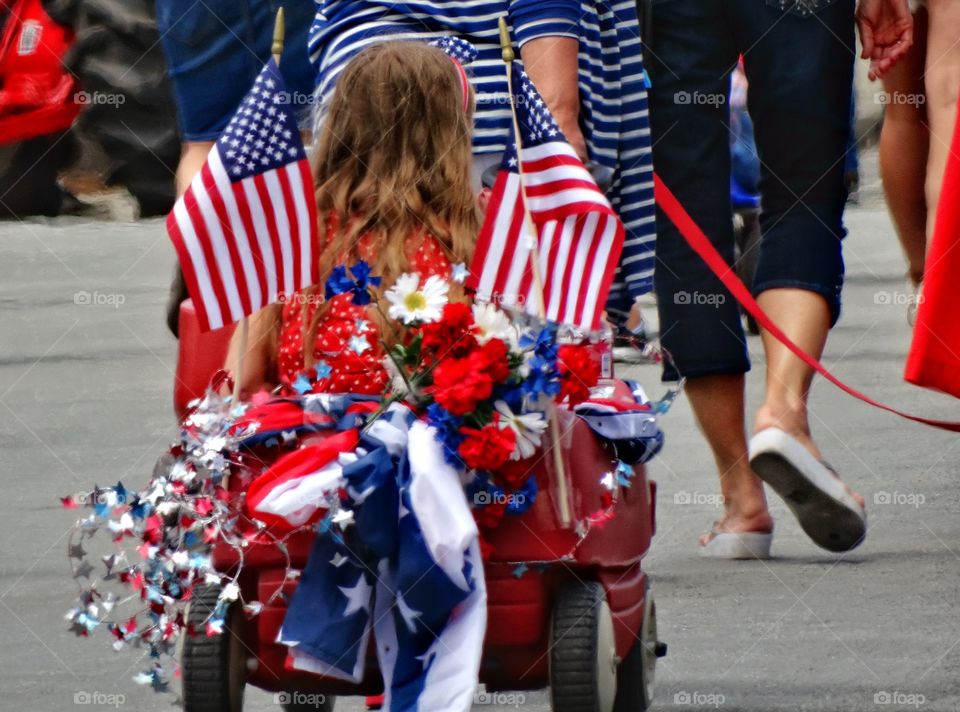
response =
{"points": [[611, 79]]}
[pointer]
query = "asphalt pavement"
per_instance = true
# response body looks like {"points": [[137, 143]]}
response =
{"points": [[86, 370]]}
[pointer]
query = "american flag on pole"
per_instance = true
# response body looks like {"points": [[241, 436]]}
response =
{"points": [[578, 236], [246, 229]]}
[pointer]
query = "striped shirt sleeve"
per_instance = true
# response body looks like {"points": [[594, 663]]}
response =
{"points": [[532, 19]]}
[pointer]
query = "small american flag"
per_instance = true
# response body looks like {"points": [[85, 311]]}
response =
{"points": [[579, 236], [246, 229]]}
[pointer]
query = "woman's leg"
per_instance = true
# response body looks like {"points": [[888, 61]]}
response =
{"points": [[942, 80], [904, 144], [802, 126]]}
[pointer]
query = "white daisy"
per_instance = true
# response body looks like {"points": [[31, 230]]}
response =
{"points": [[493, 323], [410, 302], [528, 427]]}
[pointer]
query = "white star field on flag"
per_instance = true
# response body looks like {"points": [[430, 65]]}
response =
{"points": [[261, 135]]}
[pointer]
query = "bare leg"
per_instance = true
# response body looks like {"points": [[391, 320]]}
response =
{"points": [[718, 404], [942, 80], [192, 157], [904, 144], [805, 317]]}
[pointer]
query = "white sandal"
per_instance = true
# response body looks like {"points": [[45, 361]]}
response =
{"points": [[737, 545], [826, 510]]}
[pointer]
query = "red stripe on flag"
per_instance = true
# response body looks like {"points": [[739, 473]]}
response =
{"points": [[553, 187], [220, 214], [306, 176], [189, 273], [479, 263], [555, 160], [194, 215], [567, 276], [514, 250], [266, 206], [589, 243], [293, 234], [553, 254], [616, 249], [568, 209], [243, 207]]}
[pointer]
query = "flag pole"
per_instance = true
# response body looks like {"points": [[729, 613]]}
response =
{"points": [[508, 55], [276, 50]]}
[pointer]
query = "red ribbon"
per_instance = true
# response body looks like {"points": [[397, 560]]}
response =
{"points": [[695, 237]]}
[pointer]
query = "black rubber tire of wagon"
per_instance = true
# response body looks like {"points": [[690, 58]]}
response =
{"points": [[635, 674], [582, 656], [213, 667]]}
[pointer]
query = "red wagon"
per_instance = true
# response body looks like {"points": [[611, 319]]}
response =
{"points": [[568, 609]]}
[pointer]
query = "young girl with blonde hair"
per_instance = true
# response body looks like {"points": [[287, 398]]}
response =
{"points": [[393, 188]]}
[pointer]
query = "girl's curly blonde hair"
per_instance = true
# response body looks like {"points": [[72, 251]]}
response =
{"points": [[392, 165]]}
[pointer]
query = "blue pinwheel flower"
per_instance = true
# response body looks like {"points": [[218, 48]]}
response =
{"points": [[544, 378], [544, 346], [340, 283], [448, 432], [523, 498]]}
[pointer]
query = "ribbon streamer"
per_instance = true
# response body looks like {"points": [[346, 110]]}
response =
{"points": [[697, 240]]}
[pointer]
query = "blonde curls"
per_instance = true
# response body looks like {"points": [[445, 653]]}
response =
{"points": [[393, 163]]}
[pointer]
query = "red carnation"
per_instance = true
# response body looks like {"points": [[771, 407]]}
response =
{"points": [[579, 372], [458, 386], [487, 448], [489, 516], [514, 473], [491, 359], [453, 335]]}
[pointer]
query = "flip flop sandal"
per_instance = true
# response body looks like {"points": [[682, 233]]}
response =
{"points": [[737, 545], [827, 512]]}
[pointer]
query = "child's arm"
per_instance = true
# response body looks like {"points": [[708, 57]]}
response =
{"points": [[259, 363]]}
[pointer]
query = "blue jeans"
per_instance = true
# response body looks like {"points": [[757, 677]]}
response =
{"points": [[800, 71]]}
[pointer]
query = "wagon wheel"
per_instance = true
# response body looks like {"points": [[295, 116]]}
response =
{"points": [[213, 667], [583, 662], [635, 675]]}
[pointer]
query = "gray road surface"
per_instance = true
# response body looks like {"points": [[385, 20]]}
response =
{"points": [[85, 383]]}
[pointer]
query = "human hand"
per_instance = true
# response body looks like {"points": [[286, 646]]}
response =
{"points": [[886, 33], [573, 134]]}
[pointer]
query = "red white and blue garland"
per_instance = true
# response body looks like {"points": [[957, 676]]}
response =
{"points": [[482, 379]]}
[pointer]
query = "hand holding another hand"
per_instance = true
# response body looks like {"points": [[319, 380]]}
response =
{"points": [[886, 33]]}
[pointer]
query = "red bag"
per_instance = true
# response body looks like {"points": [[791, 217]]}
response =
{"points": [[934, 359], [38, 96]]}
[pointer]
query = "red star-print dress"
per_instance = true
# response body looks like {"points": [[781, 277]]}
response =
{"points": [[347, 353]]}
